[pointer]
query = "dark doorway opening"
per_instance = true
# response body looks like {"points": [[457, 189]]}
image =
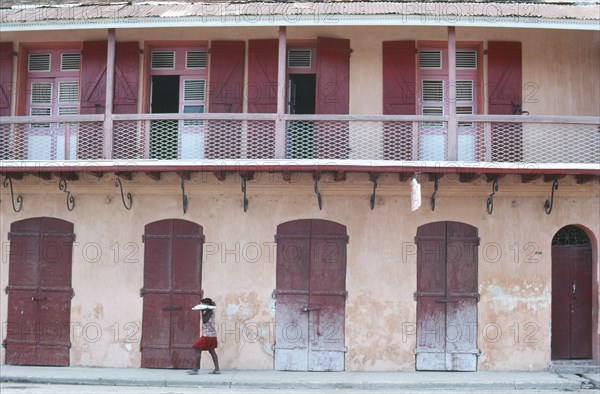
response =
{"points": [[164, 133], [301, 101]]}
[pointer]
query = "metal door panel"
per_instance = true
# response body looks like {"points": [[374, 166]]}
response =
{"points": [[183, 320], [21, 328], [561, 303], [24, 258], [581, 302], [156, 331], [326, 330], [291, 332]]}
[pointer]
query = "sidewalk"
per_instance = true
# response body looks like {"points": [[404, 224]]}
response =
{"points": [[292, 380]]}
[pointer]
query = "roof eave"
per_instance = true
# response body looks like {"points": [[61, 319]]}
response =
{"points": [[304, 20]]}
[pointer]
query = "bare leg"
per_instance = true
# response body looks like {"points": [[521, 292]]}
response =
{"points": [[215, 359], [198, 354]]}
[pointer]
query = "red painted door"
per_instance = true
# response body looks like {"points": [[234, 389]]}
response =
{"points": [[332, 96], [172, 286], [399, 97], [505, 98], [447, 296], [571, 299], [39, 292], [262, 96], [310, 296]]}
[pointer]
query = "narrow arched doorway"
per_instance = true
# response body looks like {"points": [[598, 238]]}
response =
{"points": [[571, 294], [310, 296]]}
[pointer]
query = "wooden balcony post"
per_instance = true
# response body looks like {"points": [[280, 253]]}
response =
{"points": [[110, 93], [451, 91], [281, 96]]}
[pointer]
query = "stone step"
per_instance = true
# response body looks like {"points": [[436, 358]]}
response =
{"points": [[576, 367]]}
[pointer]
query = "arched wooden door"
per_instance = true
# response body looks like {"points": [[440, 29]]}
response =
{"points": [[571, 294], [310, 296], [39, 292], [172, 286], [447, 297]]}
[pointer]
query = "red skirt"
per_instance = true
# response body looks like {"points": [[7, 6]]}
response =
{"points": [[206, 343]]}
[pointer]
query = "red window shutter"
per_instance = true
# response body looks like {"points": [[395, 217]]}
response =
{"points": [[126, 78], [504, 77], [263, 56], [226, 85], [333, 76], [399, 76], [399, 79], [93, 77], [225, 95], [6, 62]]}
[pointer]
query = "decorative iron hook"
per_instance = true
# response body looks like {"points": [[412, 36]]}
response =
{"points": [[373, 195], [184, 196], [318, 193], [490, 199], [62, 185], [548, 204], [244, 191], [129, 198], [435, 189], [8, 182]]}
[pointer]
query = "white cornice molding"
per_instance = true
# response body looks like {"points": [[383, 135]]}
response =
{"points": [[304, 20]]}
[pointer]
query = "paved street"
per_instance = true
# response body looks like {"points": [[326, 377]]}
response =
{"points": [[26, 388]]}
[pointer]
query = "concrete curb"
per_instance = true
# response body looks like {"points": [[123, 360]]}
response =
{"points": [[501, 381]]}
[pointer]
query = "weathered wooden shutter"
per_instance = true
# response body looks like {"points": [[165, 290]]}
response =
{"points": [[504, 92], [226, 85], [172, 286], [6, 62], [332, 97], [225, 95], [399, 97], [333, 76], [93, 77], [263, 56], [126, 78]]}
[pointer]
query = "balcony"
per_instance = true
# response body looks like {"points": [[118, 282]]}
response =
{"points": [[572, 142]]}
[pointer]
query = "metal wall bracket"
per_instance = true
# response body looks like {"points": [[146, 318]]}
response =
{"points": [[244, 191], [184, 198], [548, 204], [490, 199], [435, 189], [8, 183], [129, 197], [372, 201], [317, 192], [62, 185]]}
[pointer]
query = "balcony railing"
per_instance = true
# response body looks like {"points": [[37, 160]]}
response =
{"points": [[479, 138]]}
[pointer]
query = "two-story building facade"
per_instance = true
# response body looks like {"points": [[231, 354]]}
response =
{"points": [[359, 186]]}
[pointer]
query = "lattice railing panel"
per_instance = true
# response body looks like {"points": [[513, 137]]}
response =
{"points": [[336, 137], [51, 141]]}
